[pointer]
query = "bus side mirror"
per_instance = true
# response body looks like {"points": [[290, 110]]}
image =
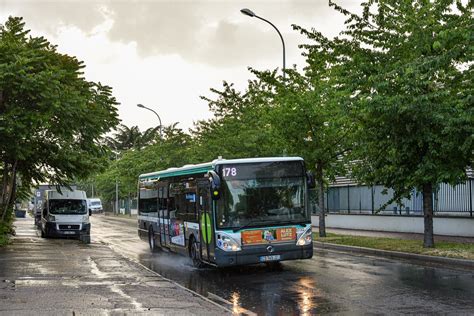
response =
{"points": [[310, 180], [215, 185]]}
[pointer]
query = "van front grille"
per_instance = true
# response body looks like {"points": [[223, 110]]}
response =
{"points": [[66, 227]]}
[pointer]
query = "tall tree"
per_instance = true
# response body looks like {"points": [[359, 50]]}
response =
{"points": [[172, 151], [307, 119], [126, 138], [408, 66], [51, 118], [239, 127]]}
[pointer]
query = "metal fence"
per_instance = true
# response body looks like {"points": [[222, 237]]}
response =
{"points": [[125, 206], [359, 199]]}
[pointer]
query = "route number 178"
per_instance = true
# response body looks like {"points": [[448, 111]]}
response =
{"points": [[229, 172]]}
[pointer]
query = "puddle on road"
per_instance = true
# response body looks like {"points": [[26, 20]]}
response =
{"points": [[245, 290]]}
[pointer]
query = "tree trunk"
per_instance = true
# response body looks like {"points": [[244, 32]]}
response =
{"points": [[322, 211], [428, 241], [5, 181], [9, 184]]}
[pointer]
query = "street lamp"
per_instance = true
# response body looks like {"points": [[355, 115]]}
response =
{"points": [[251, 14], [159, 119], [116, 183]]}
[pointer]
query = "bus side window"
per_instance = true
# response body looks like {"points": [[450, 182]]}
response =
{"points": [[170, 200], [191, 200], [160, 199]]}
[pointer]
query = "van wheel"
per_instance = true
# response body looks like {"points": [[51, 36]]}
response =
{"points": [[151, 240], [85, 239], [195, 254]]}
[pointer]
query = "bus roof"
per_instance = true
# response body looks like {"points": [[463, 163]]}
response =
{"points": [[204, 167]]}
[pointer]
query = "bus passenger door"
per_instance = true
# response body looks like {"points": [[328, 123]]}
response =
{"points": [[206, 230], [163, 218]]}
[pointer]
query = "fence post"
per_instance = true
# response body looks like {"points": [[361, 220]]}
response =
{"points": [[372, 199], [470, 197], [327, 200], [348, 200]]}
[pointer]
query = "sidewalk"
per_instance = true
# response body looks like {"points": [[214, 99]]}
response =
{"points": [[412, 236]]}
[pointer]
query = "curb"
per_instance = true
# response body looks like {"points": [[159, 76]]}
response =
{"points": [[464, 263]]}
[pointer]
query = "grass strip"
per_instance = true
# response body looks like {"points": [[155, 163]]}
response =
{"points": [[442, 248]]}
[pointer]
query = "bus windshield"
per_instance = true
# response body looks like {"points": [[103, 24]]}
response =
{"points": [[67, 207], [262, 194]]}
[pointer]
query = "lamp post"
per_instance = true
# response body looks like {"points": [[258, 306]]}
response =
{"points": [[116, 211], [116, 197], [159, 119], [251, 14]]}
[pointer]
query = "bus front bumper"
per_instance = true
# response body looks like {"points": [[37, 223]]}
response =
{"points": [[261, 254]]}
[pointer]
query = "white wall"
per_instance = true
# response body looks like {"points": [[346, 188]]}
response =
{"points": [[442, 226]]}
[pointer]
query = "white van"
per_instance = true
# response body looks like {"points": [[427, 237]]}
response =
{"points": [[65, 214], [94, 205]]}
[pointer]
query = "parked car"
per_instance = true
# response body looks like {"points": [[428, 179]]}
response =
{"points": [[94, 205]]}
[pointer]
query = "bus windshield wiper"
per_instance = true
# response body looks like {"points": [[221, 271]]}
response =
{"points": [[251, 222]]}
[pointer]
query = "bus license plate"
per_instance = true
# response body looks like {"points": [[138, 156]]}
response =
{"points": [[68, 233], [269, 258]]}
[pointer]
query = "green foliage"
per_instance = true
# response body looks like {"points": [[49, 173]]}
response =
{"points": [[404, 70], [173, 150], [126, 138], [6, 228], [239, 128], [51, 118], [409, 67]]}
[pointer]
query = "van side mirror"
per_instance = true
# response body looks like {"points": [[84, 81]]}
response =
{"points": [[310, 180], [215, 185]]}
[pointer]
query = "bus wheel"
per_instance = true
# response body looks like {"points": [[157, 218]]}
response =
{"points": [[151, 240], [195, 255]]}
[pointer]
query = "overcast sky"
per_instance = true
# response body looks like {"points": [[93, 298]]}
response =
{"points": [[165, 54]]}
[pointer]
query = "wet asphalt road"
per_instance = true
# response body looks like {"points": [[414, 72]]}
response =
{"points": [[331, 282], [66, 277]]}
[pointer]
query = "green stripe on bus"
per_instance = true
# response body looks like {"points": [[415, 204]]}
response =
{"points": [[206, 228]]}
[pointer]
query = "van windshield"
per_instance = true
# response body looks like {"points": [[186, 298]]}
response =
{"points": [[67, 207]]}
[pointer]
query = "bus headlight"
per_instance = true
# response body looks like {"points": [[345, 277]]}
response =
{"points": [[305, 238], [51, 218], [85, 219], [227, 243]]}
